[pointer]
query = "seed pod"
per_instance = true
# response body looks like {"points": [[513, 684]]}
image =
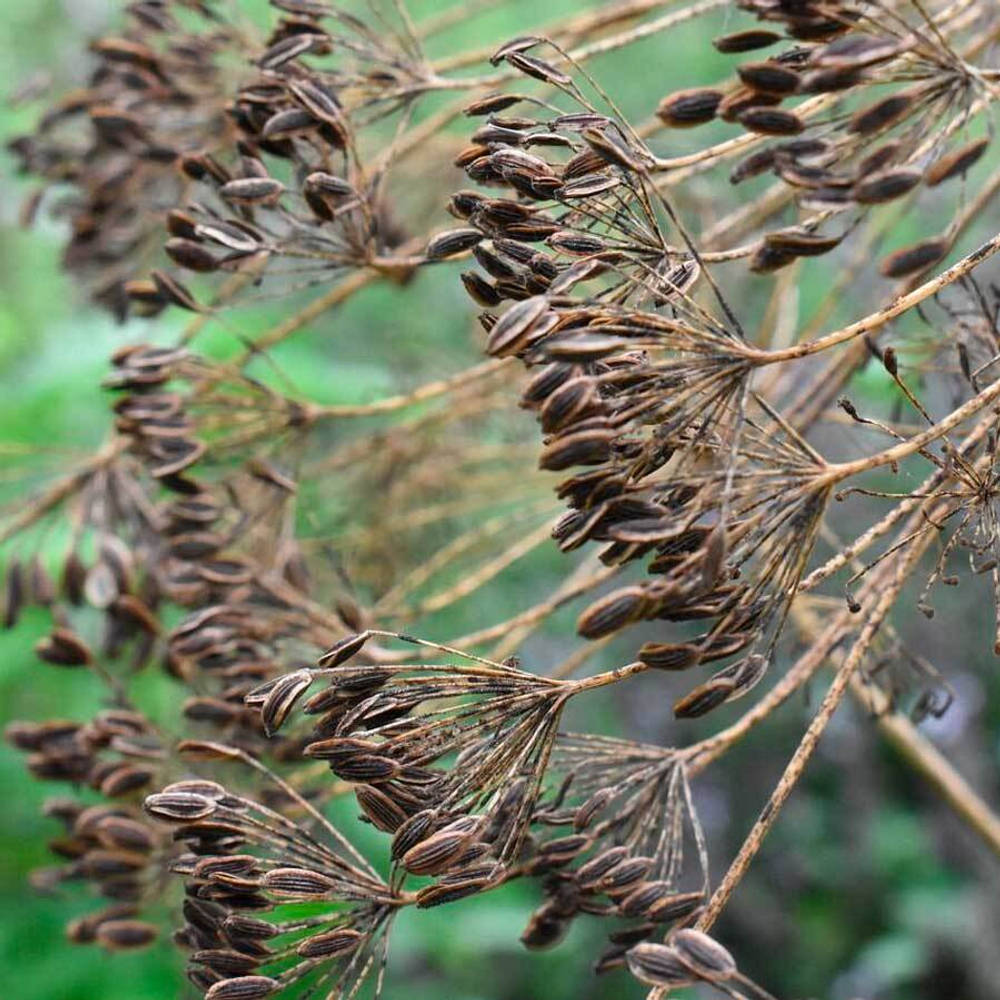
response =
{"points": [[190, 255], [514, 327], [915, 258], [367, 769], [704, 698], [125, 935], [520, 44], [226, 962], [125, 780], [63, 648], [769, 77], [252, 191], [623, 878], [588, 186], [586, 814], [956, 162], [343, 650], [881, 115], [285, 124], [658, 965], [538, 69], [670, 656], [702, 955], [612, 612], [545, 929], [584, 447], [436, 853], [589, 875], [801, 244], [885, 186], [563, 850], [745, 41], [642, 897], [453, 242], [282, 698], [450, 892], [243, 987], [332, 944], [297, 883], [179, 806], [480, 290], [384, 812], [688, 108], [492, 103], [174, 292], [770, 121]]}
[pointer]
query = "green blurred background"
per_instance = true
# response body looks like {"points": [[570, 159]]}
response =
{"points": [[867, 888]]}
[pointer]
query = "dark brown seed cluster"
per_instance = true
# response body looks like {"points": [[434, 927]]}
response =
{"points": [[230, 530], [111, 846], [157, 93]]}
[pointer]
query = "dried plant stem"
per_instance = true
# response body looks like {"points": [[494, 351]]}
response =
{"points": [[925, 758], [882, 316], [804, 751]]}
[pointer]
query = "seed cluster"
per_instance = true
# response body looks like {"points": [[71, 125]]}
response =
{"points": [[648, 395]]}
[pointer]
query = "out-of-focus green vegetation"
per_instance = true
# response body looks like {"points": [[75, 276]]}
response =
{"points": [[867, 887]]}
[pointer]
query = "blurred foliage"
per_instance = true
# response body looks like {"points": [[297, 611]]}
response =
{"points": [[868, 883]]}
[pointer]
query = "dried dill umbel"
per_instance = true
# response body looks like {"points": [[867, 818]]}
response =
{"points": [[665, 299]]}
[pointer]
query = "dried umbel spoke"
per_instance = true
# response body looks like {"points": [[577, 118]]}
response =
{"points": [[448, 758], [631, 815], [247, 872]]}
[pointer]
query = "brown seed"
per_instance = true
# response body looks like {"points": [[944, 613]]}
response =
{"points": [[585, 447], [881, 115], [190, 255], [703, 955], [124, 935], [252, 191], [178, 805], [658, 965], [670, 656], [453, 242], [801, 244], [687, 108], [385, 814], [297, 883], [770, 121], [745, 41], [955, 163], [437, 853], [885, 186], [915, 258], [612, 612], [15, 593], [332, 944], [63, 648], [520, 44], [243, 988], [704, 698], [769, 77], [514, 328], [538, 69], [282, 698]]}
